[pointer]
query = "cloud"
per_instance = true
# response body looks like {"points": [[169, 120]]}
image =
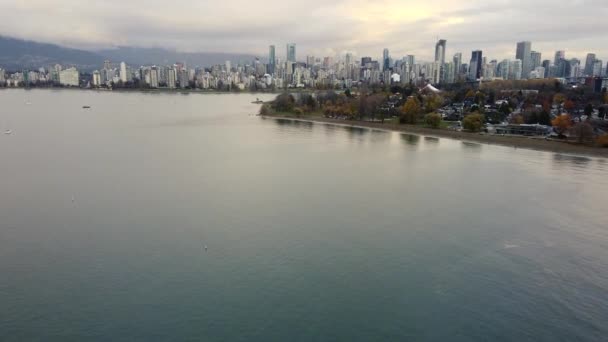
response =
{"points": [[317, 26]]}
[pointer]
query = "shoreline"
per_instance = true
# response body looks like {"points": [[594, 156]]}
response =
{"points": [[500, 140], [145, 91]]}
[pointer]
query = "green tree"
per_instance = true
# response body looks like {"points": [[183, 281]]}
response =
{"points": [[544, 118], [432, 103], [284, 103], [589, 109], [433, 120], [505, 108], [473, 122]]}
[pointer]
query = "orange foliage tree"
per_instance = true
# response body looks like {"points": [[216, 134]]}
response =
{"points": [[562, 123]]}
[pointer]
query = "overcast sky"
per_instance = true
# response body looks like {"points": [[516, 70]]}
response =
{"points": [[318, 27]]}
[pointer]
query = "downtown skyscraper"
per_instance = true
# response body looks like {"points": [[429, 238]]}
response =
{"points": [[440, 51], [291, 52], [475, 67], [523, 53], [272, 59], [386, 60], [589, 64]]}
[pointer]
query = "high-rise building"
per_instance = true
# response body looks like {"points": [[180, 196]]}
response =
{"points": [[575, 68], [291, 52], [154, 77], [96, 78], [475, 67], [69, 77], [589, 64], [107, 65], [457, 65], [124, 77], [272, 59], [560, 54], [171, 78], [597, 68], [515, 70], [440, 51], [535, 58], [385, 60], [523, 53], [410, 59], [547, 65], [348, 60], [310, 61], [502, 69]]}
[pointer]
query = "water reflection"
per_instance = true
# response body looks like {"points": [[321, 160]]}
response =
{"points": [[568, 162], [410, 139], [431, 140], [306, 125], [471, 147]]}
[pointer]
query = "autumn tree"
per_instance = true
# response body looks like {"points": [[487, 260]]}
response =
{"points": [[569, 105], [561, 124], [473, 122], [517, 119], [583, 132], [433, 120], [410, 111], [559, 98], [602, 141]]}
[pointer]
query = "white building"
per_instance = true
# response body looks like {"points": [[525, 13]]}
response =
{"points": [[124, 76], [538, 72], [96, 78], [171, 79], [69, 77], [154, 77]]}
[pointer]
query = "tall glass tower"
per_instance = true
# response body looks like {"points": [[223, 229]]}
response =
{"points": [[291, 52]]}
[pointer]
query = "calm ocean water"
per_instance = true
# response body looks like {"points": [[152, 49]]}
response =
{"points": [[314, 232]]}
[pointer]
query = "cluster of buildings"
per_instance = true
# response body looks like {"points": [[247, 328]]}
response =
{"points": [[69, 77], [328, 72]]}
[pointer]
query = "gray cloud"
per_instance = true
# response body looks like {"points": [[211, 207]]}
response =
{"points": [[318, 27]]}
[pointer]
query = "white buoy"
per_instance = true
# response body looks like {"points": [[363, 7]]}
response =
{"points": [[205, 247]]}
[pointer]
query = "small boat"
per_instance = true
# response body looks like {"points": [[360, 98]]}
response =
{"points": [[86, 107], [258, 101], [205, 247], [8, 131]]}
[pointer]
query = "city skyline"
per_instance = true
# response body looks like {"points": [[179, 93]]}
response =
{"points": [[330, 29]]}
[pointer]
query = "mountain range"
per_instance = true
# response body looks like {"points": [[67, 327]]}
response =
{"points": [[17, 54]]}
